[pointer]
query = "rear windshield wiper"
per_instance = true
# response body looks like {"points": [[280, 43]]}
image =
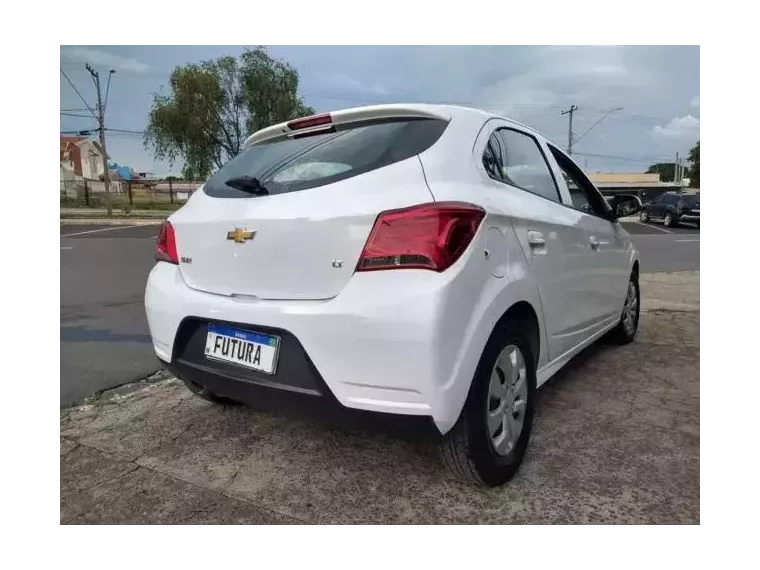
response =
{"points": [[248, 184]]}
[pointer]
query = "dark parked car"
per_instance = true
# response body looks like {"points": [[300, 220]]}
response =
{"points": [[671, 209]]}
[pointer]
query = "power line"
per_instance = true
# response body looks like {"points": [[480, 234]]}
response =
{"points": [[411, 98], [126, 131], [599, 121], [78, 93], [75, 115]]}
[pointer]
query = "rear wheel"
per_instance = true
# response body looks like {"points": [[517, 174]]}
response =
{"points": [[488, 442], [643, 217], [669, 220], [625, 331], [204, 393]]}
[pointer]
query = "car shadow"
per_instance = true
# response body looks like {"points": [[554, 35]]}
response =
{"points": [[569, 372], [332, 415]]}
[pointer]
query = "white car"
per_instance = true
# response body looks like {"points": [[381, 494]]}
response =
{"points": [[423, 260]]}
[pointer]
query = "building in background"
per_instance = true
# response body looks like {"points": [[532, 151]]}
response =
{"points": [[645, 185], [80, 157]]}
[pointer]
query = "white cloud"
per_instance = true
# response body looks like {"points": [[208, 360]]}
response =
{"points": [[343, 82], [101, 57], [680, 127], [695, 101]]}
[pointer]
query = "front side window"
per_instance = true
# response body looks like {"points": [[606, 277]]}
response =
{"points": [[515, 158], [585, 197]]}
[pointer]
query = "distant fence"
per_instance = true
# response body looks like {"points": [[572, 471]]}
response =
{"points": [[127, 194]]}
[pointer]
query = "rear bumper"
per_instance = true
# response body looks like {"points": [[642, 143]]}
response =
{"points": [[398, 344], [295, 373]]}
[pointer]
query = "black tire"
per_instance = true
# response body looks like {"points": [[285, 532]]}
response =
{"points": [[467, 449], [623, 334], [202, 392], [643, 217], [669, 220]]}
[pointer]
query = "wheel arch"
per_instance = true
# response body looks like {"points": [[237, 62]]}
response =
{"points": [[524, 312], [525, 307]]}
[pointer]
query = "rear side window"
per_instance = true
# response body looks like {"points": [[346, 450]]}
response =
{"points": [[299, 164], [515, 158]]}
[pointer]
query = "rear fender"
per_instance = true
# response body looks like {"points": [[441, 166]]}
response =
{"points": [[485, 317]]}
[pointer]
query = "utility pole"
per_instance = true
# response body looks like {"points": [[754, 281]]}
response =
{"points": [[573, 108], [676, 168], [101, 129]]}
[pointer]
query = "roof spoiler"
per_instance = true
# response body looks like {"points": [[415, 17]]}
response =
{"points": [[326, 122]]}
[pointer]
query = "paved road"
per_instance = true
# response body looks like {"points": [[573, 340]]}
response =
{"points": [[104, 335], [612, 443], [666, 249], [638, 228]]}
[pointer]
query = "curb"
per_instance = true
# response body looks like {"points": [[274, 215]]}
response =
{"points": [[112, 221], [120, 391]]}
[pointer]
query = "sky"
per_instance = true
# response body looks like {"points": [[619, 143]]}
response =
{"points": [[657, 88]]}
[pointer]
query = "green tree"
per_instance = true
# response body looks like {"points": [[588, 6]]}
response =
{"points": [[666, 170], [214, 105], [694, 160]]}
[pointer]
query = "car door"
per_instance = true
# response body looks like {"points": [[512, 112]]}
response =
{"points": [[670, 204], [520, 184], [607, 243], [657, 209]]}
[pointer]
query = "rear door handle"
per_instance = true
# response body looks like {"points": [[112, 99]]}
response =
{"points": [[594, 243], [536, 239]]}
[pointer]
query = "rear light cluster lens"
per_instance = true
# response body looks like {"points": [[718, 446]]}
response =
{"points": [[166, 244], [428, 236]]}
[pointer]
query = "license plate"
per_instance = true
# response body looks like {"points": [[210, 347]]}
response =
{"points": [[244, 348]]}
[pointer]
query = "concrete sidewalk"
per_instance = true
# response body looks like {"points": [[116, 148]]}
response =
{"points": [[616, 440], [99, 216]]}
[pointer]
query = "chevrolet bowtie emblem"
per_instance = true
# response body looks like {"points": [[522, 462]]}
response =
{"points": [[239, 235]]}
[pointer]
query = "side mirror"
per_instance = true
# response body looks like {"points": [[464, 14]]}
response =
{"points": [[624, 205]]}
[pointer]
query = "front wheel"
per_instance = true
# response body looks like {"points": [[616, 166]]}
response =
{"points": [[643, 217], [488, 442]]}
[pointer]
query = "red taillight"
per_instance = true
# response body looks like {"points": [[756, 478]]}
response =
{"points": [[308, 122], [428, 236], [680, 205], [166, 244]]}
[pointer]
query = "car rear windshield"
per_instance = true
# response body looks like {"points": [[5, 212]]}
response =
{"points": [[690, 200], [301, 163]]}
